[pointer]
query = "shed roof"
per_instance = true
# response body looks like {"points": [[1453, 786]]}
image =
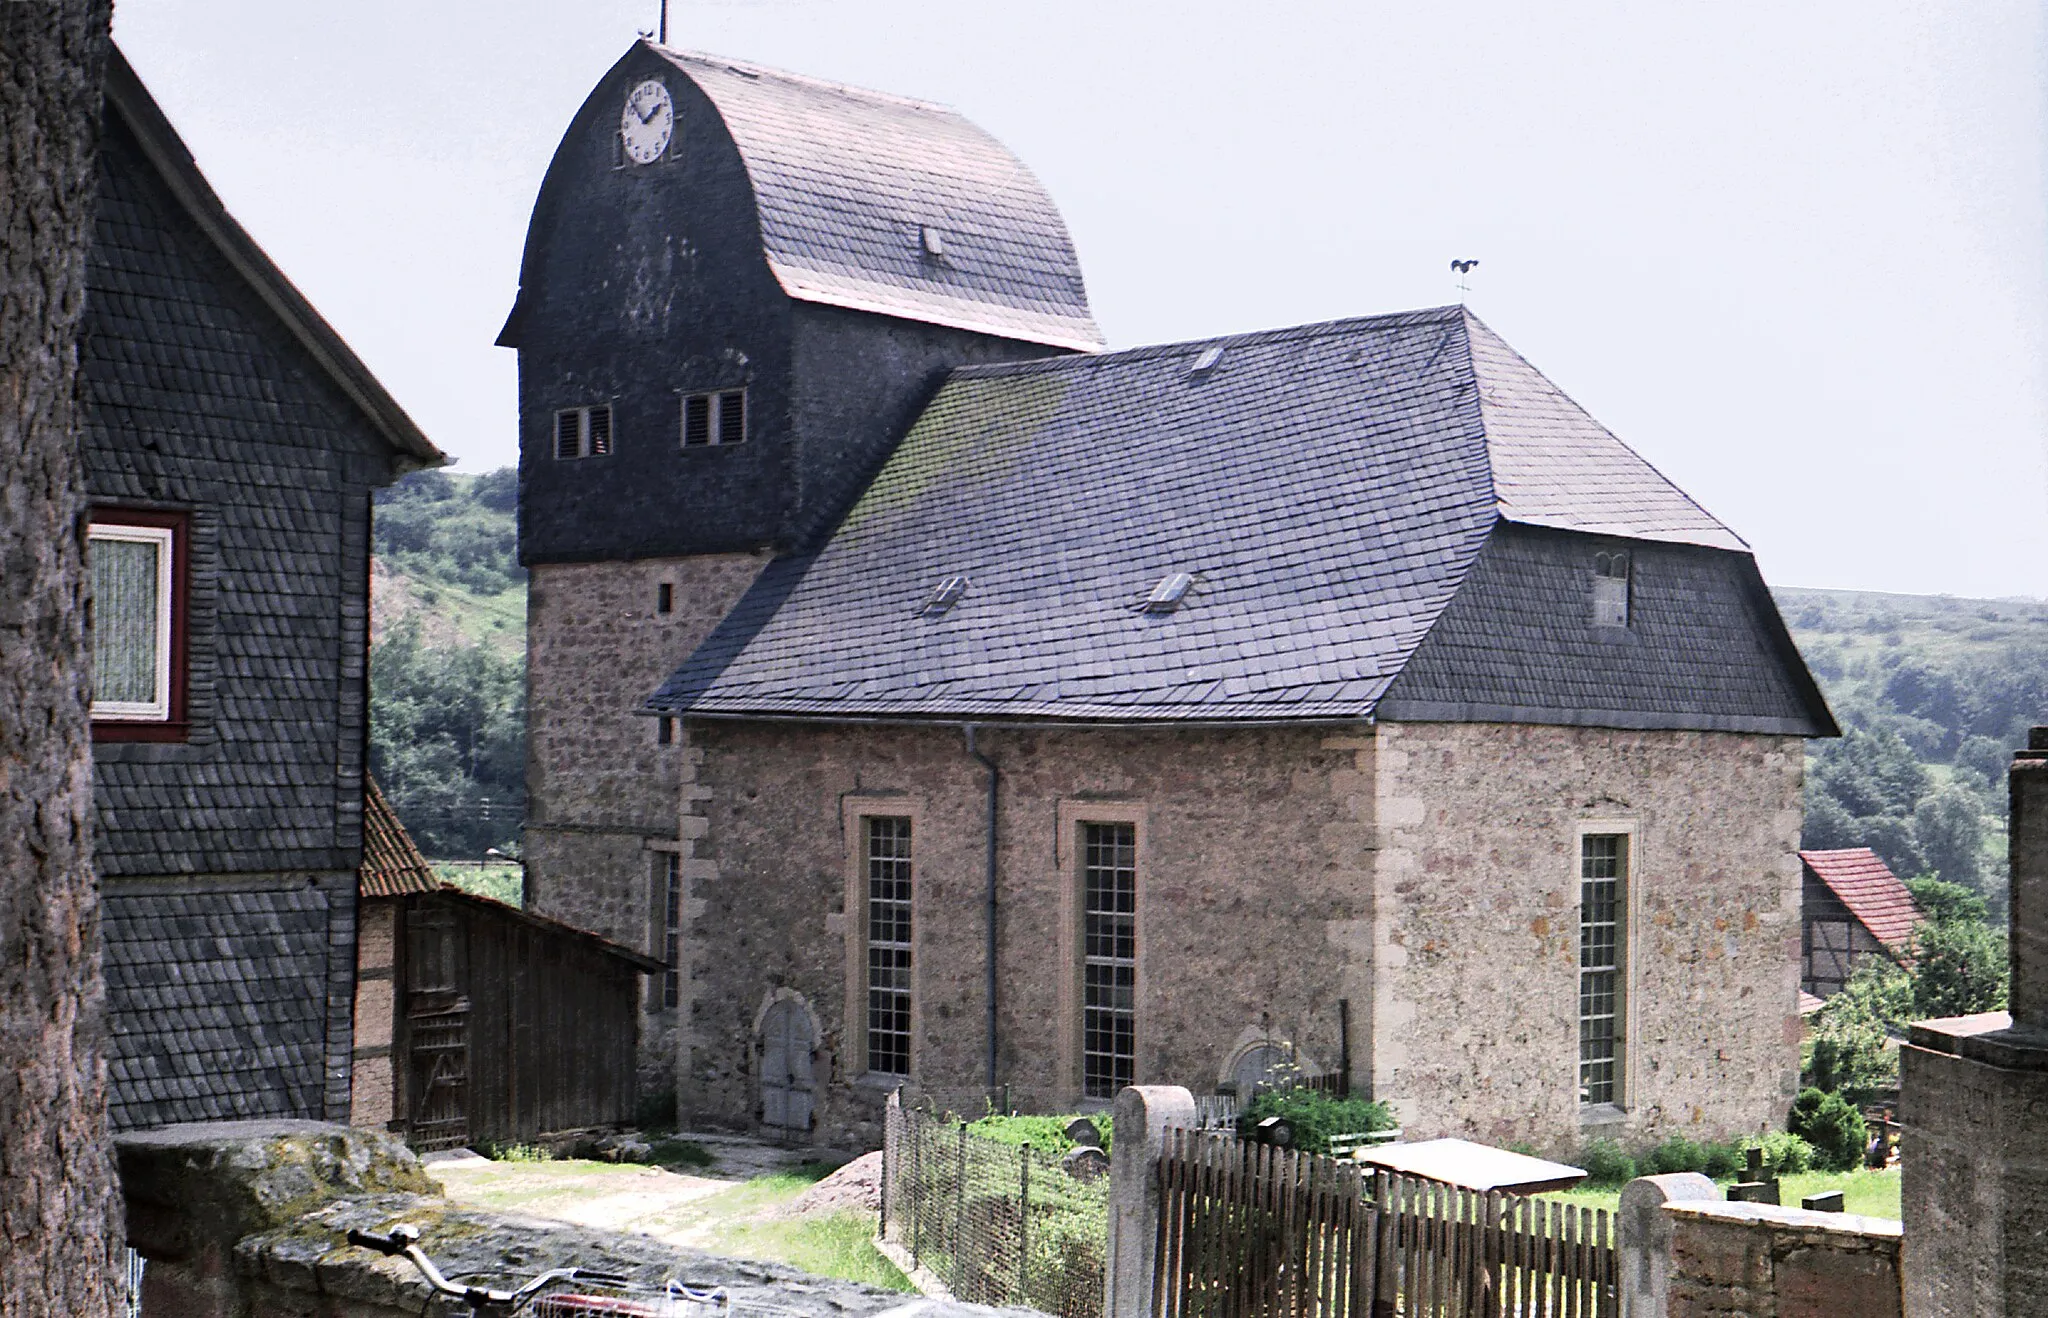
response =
{"points": [[1873, 894], [847, 182], [172, 159], [392, 866], [1327, 487]]}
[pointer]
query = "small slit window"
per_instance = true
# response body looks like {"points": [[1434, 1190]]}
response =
{"points": [[665, 598], [715, 420], [583, 432], [1610, 590]]}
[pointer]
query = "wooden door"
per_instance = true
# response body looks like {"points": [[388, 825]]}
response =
{"points": [[437, 1028], [787, 1049]]}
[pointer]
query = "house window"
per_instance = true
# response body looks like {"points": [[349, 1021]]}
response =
{"points": [[716, 419], [1603, 878], [1610, 590], [583, 432], [138, 618], [672, 931], [887, 846], [665, 730], [1109, 957]]}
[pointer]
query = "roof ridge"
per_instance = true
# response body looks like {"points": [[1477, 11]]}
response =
{"points": [[1250, 338], [749, 68]]}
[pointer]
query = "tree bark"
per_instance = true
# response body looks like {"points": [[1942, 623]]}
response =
{"points": [[60, 1209]]}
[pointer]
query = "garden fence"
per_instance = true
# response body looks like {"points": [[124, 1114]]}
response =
{"points": [[997, 1223], [1251, 1231]]}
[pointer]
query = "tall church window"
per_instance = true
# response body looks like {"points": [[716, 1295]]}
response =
{"points": [[583, 432], [887, 847], [1109, 962], [714, 419], [1603, 878], [672, 930]]}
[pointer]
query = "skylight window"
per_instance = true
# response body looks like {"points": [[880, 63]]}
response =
{"points": [[1207, 360], [934, 241], [943, 597], [1167, 595]]}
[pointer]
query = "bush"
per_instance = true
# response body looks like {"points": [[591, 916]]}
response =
{"points": [[1607, 1163], [1849, 1049], [1785, 1154], [1723, 1161], [1834, 1129], [1677, 1154], [1044, 1134], [1315, 1116]]}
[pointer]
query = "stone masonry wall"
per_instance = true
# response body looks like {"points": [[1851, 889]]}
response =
{"points": [[1476, 946], [1250, 899], [371, 1082], [1763, 1261], [601, 789]]}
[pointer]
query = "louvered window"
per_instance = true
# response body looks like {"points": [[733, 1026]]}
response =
{"points": [[1610, 590], [583, 432], [716, 419]]}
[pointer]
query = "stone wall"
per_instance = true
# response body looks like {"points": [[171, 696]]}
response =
{"points": [[1427, 875], [1476, 946], [372, 1092], [601, 787], [1762, 1261]]}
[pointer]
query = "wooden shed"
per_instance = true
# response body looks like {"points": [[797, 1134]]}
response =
{"points": [[478, 1021]]}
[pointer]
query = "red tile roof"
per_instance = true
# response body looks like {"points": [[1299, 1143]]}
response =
{"points": [[392, 866], [1872, 893]]}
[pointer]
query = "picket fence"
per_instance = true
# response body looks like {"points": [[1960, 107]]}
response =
{"points": [[1251, 1231]]}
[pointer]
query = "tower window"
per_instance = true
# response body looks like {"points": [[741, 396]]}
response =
{"points": [[665, 598], [583, 432], [1610, 590], [671, 904], [714, 420], [665, 731]]}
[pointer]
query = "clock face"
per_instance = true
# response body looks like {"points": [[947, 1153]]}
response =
{"points": [[648, 122]]}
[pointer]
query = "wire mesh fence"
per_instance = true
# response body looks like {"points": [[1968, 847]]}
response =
{"points": [[997, 1223]]}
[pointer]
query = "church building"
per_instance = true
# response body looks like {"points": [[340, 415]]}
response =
{"points": [[951, 701]]}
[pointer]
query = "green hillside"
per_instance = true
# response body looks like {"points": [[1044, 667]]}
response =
{"points": [[1933, 692]]}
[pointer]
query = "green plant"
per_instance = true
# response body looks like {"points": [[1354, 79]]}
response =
{"points": [[1835, 1129], [1607, 1163], [1785, 1154], [1315, 1116], [508, 1152], [1723, 1160], [1849, 1048], [1045, 1134], [1677, 1154], [1960, 967]]}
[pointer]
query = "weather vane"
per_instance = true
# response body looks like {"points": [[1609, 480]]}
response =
{"points": [[1464, 272]]}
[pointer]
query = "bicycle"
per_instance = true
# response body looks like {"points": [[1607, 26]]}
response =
{"points": [[558, 1292]]}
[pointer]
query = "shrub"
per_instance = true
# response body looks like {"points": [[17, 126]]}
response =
{"points": [[1044, 1134], [1607, 1163], [1677, 1154], [1315, 1116], [1785, 1154], [1723, 1160], [1834, 1129]]}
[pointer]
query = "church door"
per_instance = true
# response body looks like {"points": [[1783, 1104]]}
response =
{"points": [[787, 1044]]}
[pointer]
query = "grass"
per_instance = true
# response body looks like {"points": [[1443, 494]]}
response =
{"points": [[1873, 1194], [501, 880], [830, 1245]]}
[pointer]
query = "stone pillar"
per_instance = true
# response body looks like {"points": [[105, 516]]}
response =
{"points": [[1143, 1114], [1643, 1229], [1974, 1100]]}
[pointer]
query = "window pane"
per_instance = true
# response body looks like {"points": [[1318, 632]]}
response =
{"points": [[1603, 868], [889, 971], [126, 575], [1109, 948]]}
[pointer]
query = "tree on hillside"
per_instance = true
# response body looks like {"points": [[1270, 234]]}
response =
{"points": [[448, 741], [60, 1211]]}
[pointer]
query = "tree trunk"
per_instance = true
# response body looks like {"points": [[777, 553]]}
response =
{"points": [[60, 1211]]}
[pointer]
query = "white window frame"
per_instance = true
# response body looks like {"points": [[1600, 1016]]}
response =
{"points": [[1628, 964], [157, 710]]}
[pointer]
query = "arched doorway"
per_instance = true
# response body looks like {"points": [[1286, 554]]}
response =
{"points": [[788, 1046]]}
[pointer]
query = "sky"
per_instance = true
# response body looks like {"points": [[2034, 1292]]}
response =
{"points": [[1794, 253]]}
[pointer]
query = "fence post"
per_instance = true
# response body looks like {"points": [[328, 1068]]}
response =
{"points": [[958, 1279], [1142, 1115], [889, 1110], [1643, 1252], [1023, 1219]]}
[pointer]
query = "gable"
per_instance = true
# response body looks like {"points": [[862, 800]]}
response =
{"points": [[1702, 650]]}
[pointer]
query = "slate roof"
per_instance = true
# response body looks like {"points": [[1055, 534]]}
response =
{"points": [[848, 179], [1873, 894], [392, 866], [1330, 487], [127, 98]]}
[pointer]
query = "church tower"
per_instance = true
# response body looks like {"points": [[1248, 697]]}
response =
{"points": [[739, 287]]}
